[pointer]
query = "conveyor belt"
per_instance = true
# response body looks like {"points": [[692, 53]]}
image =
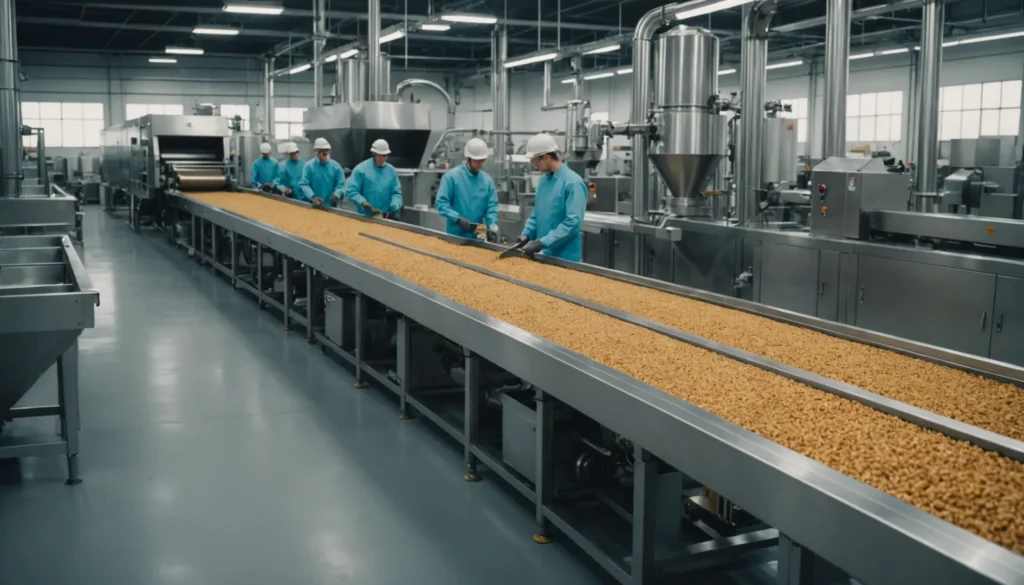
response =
{"points": [[977, 490]]}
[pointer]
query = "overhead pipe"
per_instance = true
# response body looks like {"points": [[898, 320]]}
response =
{"points": [[753, 60], [837, 71], [855, 15], [930, 61], [319, 39], [373, 51], [409, 83], [499, 102], [268, 96], [546, 103], [10, 104]]}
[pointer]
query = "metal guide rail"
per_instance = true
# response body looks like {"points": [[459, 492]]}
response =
{"points": [[866, 533]]}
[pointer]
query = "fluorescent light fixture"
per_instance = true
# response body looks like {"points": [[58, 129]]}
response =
{"points": [[601, 75], [709, 8], [349, 53], [625, 71], [1009, 35], [726, 71], [533, 59], [861, 56], [299, 69], [392, 36], [894, 51], [253, 8], [215, 30], [435, 27], [183, 51], [600, 50], [568, 80], [470, 18], [785, 64], [331, 58], [162, 60]]}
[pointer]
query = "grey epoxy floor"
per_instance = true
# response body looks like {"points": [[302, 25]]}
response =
{"points": [[217, 448]]}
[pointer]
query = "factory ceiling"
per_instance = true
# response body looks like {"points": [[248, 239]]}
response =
{"points": [[139, 26]]}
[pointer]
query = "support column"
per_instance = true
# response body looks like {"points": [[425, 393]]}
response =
{"points": [[360, 339], [10, 104], [500, 98], [319, 38], [471, 426], [812, 107], [932, 21], [268, 96], [286, 274], [373, 50], [544, 486], [645, 477], [70, 418], [404, 342], [837, 72], [754, 58]]}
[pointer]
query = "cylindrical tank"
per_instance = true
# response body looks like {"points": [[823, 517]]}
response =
{"points": [[686, 74], [778, 150], [350, 83]]}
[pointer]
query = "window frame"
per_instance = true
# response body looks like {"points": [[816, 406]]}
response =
{"points": [[971, 110], [83, 120]]}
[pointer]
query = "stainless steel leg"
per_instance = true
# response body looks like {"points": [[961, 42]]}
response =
{"points": [[213, 248], [234, 259], [311, 305], [287, 274], [471, 427], [193, 236], [360, 341], [404, 364], [645, 479], [67, 391], [259, 275], [544, 488]]}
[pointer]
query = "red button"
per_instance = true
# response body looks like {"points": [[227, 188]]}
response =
{"points": [[821, 188]]}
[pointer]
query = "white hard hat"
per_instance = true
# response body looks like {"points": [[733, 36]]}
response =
{"points": [[321, 144], [292, 147], [540, 144], [476, 149], [380, 146], [265, 148]]}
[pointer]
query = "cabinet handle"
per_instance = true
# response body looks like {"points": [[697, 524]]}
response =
{"points": [[821, 289], [999, 324], [862, 294], [984, 319]]}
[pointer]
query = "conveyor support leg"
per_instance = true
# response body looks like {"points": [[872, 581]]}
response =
{"points": [[259, 275], [287, 275], [471, 426], [645, 480], [544, 488], [67, 390], [234, 260], [404, 365], [360, 341]]}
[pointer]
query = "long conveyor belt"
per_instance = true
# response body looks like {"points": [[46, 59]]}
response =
{"points": [[977, 490]]}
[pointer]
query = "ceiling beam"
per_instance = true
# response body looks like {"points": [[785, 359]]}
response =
{"points": [[301, 13], [251, 32]]}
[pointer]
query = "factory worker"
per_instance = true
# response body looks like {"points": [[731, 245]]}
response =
{"points": [[467, 195], [373, 185], [561, 200], [323, 180], [264, 169], [290, 174]]}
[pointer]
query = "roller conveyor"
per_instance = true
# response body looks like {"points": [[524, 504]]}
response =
{"points": [[878, 535]]}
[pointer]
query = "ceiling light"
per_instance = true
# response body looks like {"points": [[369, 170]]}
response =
{"points": [[861, 56], [349, 53], [785, 64], [600, 50], [435, 27], [331, 58], [183, 51], [625, 71], [162, 60], [601, 75], [529, 60], [392, 36], [1008, 35], [215, 30], [253, 8], [569, 80], [726, 71], [709, 8], [299, 69], [894, 51], [470, 18]]}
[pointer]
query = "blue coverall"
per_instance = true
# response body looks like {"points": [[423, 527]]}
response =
{"points": [[378, 185], [325, 180], [290, 175], [466, 194], [557, 216], [264, 170]]}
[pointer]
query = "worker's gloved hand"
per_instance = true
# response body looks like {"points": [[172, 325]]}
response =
{"points": [[287, 191], [533, 247], [464, 224], [522, 239], [267, 187], [367, 206], [492, 233]]}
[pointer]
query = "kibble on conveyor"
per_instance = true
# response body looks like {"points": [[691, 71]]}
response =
{"points": [[977, 490]]}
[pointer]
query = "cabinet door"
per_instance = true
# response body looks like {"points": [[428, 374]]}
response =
{"points": [[828, 285], [940, 306], [789, 277], [1008, 327]]}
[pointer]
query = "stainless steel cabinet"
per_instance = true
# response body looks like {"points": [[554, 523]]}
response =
{"points": [[1008, 321], [828, 285], [788, 277], [941, 306]]}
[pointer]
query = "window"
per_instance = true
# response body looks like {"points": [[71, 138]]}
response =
{"points": [[287, 122], [798, 113], [66, 124], [874, 117], [979, 109], [139, 110], [230, 111]]}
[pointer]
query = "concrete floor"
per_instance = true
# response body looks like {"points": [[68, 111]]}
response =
{"points": [[217, 448]]}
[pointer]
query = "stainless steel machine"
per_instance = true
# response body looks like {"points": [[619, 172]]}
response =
{"points": [[145, 156]]}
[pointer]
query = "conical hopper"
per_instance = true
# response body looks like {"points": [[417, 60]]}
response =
{"points": [[685, 175], [690, 144]]}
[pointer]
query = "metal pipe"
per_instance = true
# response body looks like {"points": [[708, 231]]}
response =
{"points": [[10, 104], [910, 152], [319, 30], [408, 83], [837, 70], [812, 106], [932, 17], [546, 103], [268, 96], [499, 101], [753, 60], [856, 14], [373, 51]]}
